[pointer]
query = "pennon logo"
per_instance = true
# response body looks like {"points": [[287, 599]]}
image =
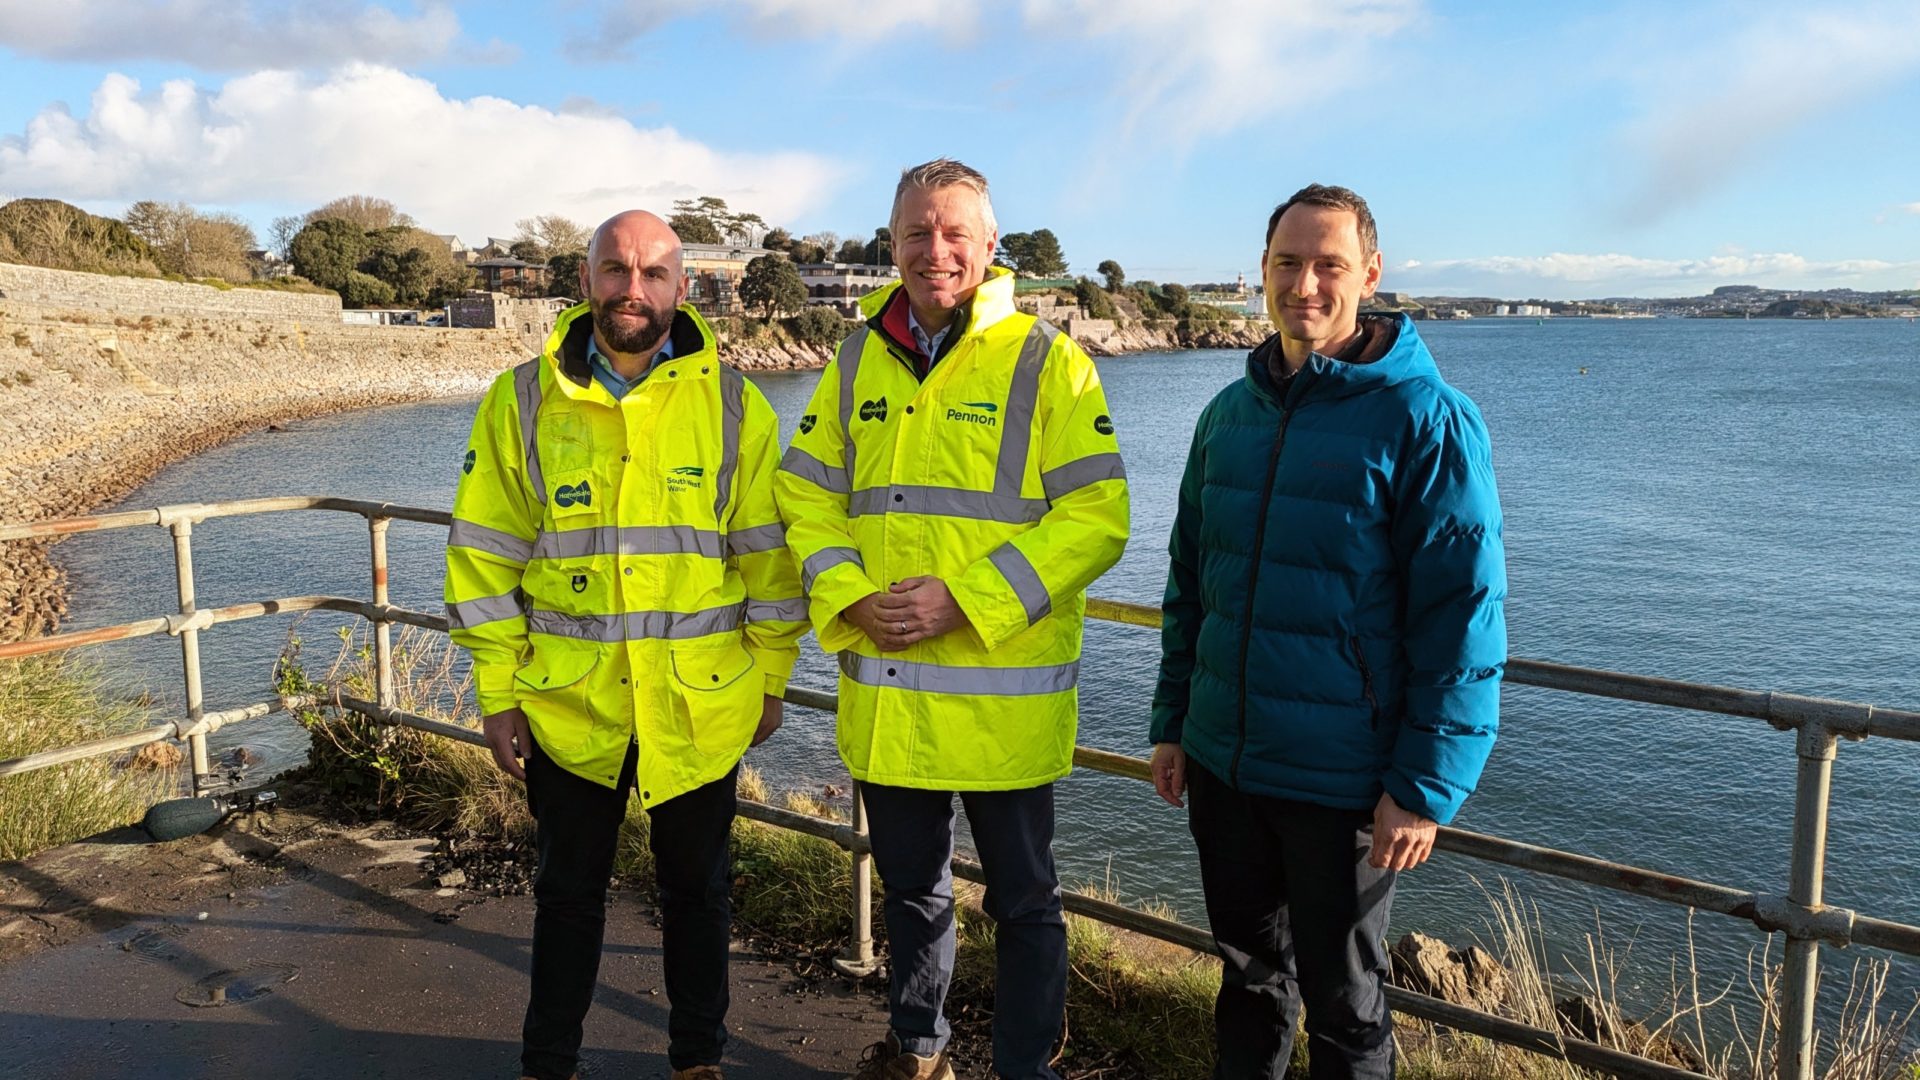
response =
{"points": [[580, 494], [873, 410], [467, 465], [1103, 424], [807, 422], [976, 412]]}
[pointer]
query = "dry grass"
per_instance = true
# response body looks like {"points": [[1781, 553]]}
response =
{"points": [[47, 702]]}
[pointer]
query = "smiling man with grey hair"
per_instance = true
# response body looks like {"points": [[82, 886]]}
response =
{"points": [[954, 488]]}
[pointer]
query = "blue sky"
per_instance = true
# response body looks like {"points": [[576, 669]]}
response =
{"points": [[1507, 148]]}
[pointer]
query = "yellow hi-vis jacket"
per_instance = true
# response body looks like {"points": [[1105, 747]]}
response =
{"points": [[1001, 476], [618, 568]]}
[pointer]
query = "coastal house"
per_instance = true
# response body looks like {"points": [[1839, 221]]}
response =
{"points": [[713, 275], [508, 274], [841, 285]]}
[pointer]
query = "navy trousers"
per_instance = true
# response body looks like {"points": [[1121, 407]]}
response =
{"points": [[579, 823], [1298, 914], [912, 833]]}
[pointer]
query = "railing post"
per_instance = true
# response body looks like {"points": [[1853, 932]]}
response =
{"points": [[182, 530], [382, 628], [1800, 981], [858, 961]]}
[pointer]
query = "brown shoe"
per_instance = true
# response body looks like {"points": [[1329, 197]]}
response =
{"points": [[885, 1060], [699, 1072]]}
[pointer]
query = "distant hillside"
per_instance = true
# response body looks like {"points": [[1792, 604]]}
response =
{"points": [[59, 236]]}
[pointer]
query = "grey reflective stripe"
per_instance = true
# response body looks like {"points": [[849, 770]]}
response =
{"points": [[1019, 572], [849, 361], [733, 406], [492, 541], [628, 540], [1022, 398], [467, 614], [635, 625], [948, 679], [526, 391], [793, 609], [814, 471], [758, 538], [946, 502], [1077, 474], [824, 560]]}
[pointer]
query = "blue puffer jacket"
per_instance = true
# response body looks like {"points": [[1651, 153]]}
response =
{"points": [[1334, 611]]}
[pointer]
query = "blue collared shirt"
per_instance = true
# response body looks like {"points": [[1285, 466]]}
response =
{"points": [[604, 374], [929, 345]]}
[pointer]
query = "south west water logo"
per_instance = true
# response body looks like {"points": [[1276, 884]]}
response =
{"points": [[685, 478], [806, 423], [976, 412], [580, 494], [873, 410]]}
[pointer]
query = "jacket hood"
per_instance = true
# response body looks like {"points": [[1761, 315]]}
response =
{"points": [[1404, 359], [565, 352], [992, 300]]}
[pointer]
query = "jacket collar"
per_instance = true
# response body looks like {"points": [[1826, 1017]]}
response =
{"points": [[1323, 377], [695, 352], [992, 302]]}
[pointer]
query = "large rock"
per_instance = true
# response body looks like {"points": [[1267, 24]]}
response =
{"points": [[1470, 976]]}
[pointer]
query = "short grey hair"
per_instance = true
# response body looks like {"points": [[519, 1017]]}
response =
{"points": [[939, 173]]}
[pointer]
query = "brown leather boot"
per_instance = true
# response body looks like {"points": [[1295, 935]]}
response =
{"points": [[885, 1060]]}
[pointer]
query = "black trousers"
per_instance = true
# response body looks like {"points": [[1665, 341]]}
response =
{"points": [[579, 822], [1298, 914]]}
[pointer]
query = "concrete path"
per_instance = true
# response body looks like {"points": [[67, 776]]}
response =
{"points": [[330, 956]]}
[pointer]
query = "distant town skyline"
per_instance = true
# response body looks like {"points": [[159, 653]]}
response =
{"points": [[1628, 148]]}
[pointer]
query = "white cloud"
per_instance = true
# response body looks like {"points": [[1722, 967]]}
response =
{"points": [[232, 35], [470, 166], [1911, 208], [1200, 70], [1713, 106], [1568, 275], [623, 22]]}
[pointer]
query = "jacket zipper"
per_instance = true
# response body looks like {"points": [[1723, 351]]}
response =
{"points": [[1253, 580], [1366, 683]]}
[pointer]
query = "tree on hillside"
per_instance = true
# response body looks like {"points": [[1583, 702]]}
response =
{"points": [[552, 234], [694, 229], [1110, 270], [1093, 300], [880, 248], [803, 252], [191, 243], [828, 242], [327, 251], [53, 234], [772, 284], [851, 251], [1032, 255], [777, 239], [563, 273], [366, 211], [743, 228], [281, 233], [708, 220], [527, 251]]}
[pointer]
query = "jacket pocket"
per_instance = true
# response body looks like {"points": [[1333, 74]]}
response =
{"points": [[553, 690], [1366, 682], [577, 493], [719, 694]]}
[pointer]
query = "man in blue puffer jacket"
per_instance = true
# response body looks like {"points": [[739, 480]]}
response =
{"points": [[1333, 644]]}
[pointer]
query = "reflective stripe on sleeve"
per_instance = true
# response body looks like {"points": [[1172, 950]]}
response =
{"points": [[467, 534], [946, 502], [637, 625], [849, 361], [733, 407], [824, 560], [759, 538], [1078, 473], [814, 471], [1019, 572], [792, 609], [950, 679], [467, 614], [526, 391]]}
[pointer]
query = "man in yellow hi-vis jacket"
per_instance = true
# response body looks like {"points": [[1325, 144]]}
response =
{"points": [[954, 487], [618, 569]]}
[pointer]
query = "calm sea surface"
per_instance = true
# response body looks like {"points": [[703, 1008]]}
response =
{"points": [[1728, 502]]}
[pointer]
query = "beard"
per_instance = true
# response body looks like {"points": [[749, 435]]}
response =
{"points": [[630, 337]]}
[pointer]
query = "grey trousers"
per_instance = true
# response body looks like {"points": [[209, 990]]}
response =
{"points": [[1298, 914], [912, 833]]}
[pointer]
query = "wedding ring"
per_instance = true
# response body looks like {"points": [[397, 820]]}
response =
{"points": [[903, 626]]}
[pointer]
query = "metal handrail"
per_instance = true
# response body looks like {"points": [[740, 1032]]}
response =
{"points": [[1801, 914]]}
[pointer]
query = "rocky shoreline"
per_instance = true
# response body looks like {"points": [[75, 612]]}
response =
{"points": [[96, 399]]}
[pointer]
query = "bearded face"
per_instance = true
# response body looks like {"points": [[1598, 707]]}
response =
{"points": [[630, 324]]}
